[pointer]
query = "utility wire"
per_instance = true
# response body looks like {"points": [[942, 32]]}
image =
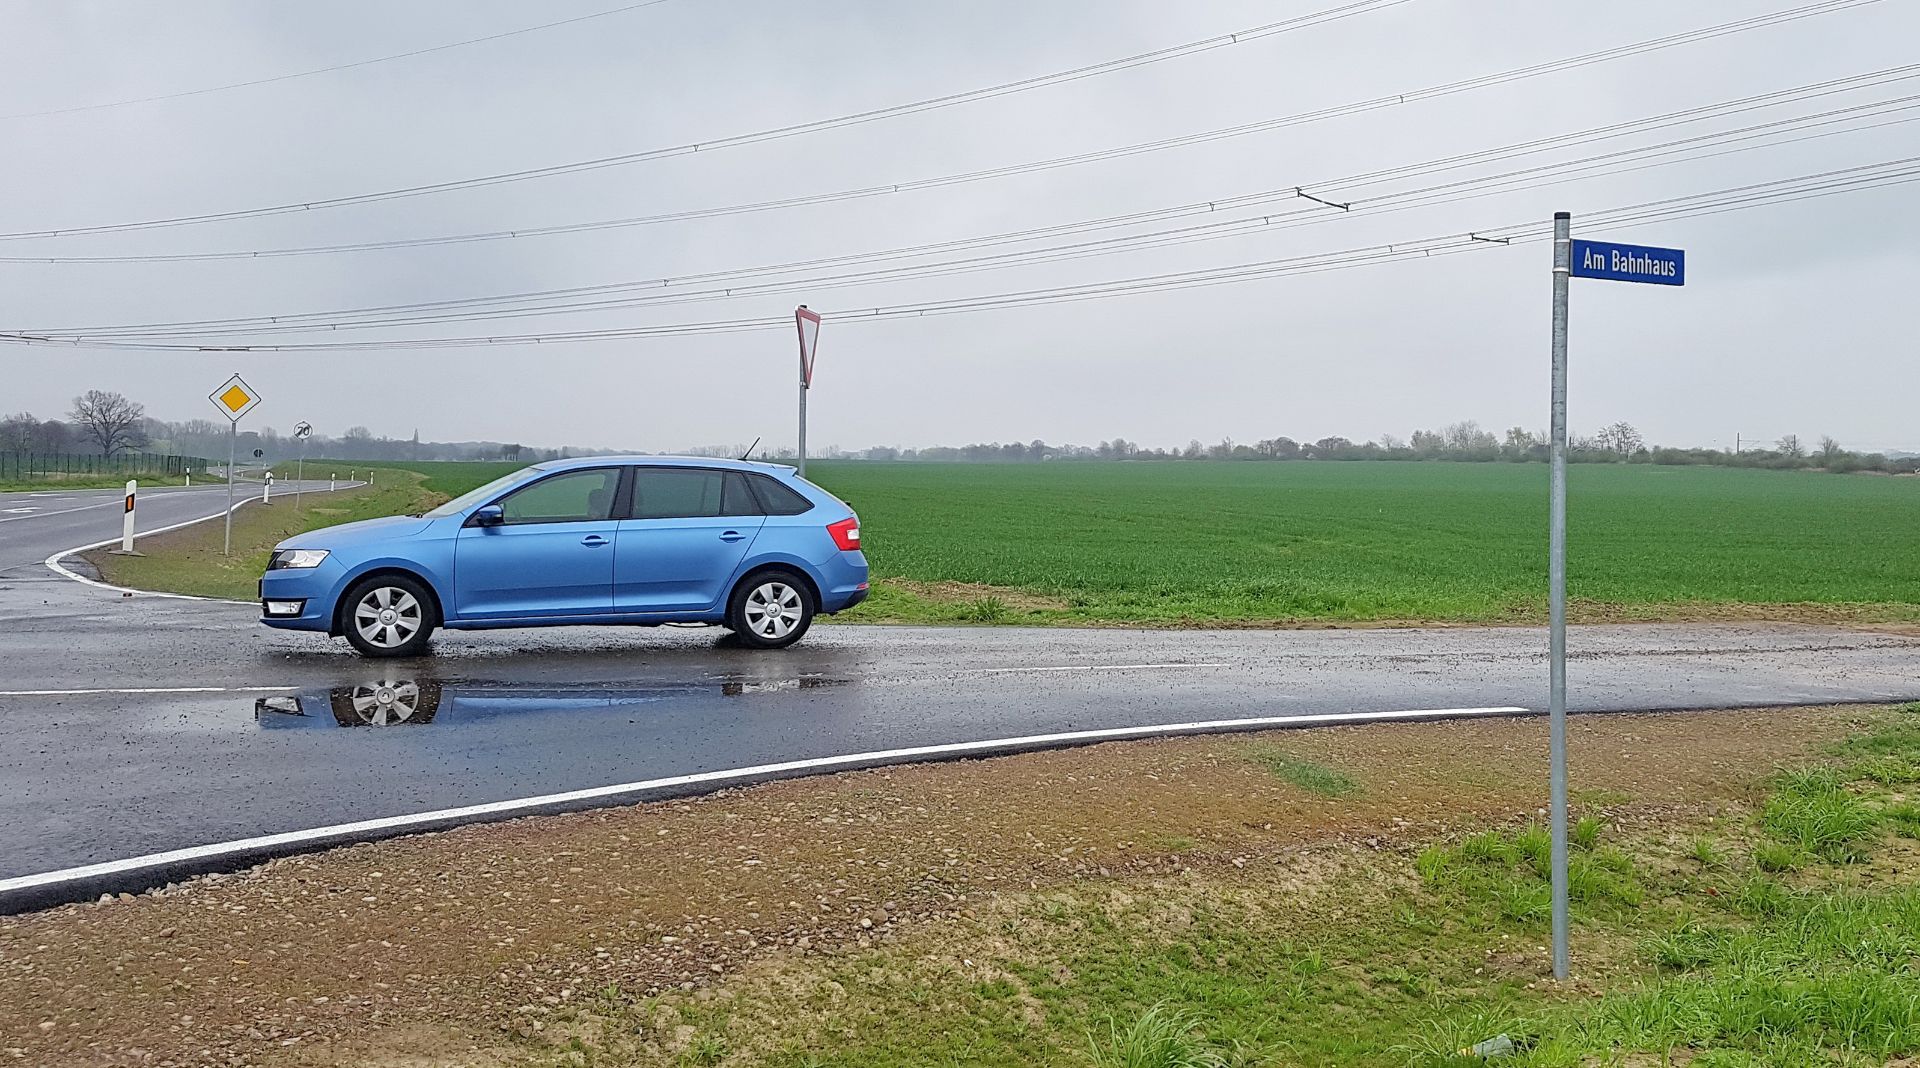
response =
{"points": [[1559, 172], [1392, 100], [1762, 100], [1829, 183], [1327, 15], [328, 70]]}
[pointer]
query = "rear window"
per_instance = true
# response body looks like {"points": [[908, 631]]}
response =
{"points": [[778, 499], [675, 493]]}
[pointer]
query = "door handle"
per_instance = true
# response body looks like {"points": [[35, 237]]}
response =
{"points": [[732, 535], [593, 540]]}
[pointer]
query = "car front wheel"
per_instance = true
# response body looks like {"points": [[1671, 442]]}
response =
{"points": [[389, 615], [771, 610]]}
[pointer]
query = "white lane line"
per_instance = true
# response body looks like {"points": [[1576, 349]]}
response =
{"points": [[60, 569], [348, 831], [1086, 667], [147, 689], [63, 511]]}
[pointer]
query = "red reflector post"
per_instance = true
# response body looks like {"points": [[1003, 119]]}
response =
{"points": [[846, 534]]}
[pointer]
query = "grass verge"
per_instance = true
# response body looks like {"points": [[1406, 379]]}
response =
{"points": [[1147, 904], [190, 560], [78, 482]]}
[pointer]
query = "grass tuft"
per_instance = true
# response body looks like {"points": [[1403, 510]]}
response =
{"points": [[1160, 1037], [1812, 810], [1306, 774]]}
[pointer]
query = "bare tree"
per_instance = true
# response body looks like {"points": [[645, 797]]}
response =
{"points": [[109, 420], [1830, 450], [18, 432], [1621, 438], [1790, 446]]}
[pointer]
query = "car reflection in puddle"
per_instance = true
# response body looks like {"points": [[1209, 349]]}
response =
{"points": [[415, 701]]}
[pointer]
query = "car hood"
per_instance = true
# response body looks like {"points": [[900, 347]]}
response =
{"points": [[360, 533]]}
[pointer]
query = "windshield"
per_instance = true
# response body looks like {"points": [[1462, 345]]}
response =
{"points": [[475, 496]]}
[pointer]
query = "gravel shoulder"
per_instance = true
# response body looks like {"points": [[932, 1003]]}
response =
{"points": [[466, 947]]}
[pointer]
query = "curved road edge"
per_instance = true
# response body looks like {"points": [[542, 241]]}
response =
{"points": [[133, 874], [55, 564]]}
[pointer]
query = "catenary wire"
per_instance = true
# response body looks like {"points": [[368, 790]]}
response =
{"points": [[1764, 135], [1316, 18], [1762, 100], [1788, 190], [1390, 100], [206, 90]]}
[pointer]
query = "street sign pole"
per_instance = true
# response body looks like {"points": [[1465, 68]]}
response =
{"points": [[807, 325], [302, 430], [1557, 590], [233, 437], [1614, 262], [234, 398]]}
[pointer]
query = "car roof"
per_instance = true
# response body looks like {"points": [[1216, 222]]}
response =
{"points": [[723, 463]]}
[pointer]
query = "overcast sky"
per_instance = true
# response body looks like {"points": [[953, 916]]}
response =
{"points": [[1794, 319]]}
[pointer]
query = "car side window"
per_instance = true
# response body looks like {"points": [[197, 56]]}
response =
{"points": [[778, 499], [676, 493], [573, 497], [737, 498]]}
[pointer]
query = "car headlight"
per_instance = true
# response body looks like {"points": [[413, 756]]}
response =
{"points": [[284, 558]]}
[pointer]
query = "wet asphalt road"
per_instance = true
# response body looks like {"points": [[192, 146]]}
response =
{"points": [[35, 525], [276, 736]]}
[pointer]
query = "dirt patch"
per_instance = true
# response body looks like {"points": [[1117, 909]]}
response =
{"points": [[460, 948], [972, 592]]}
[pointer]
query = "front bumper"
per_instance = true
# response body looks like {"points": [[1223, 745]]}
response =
{"points": [[312, 589]]}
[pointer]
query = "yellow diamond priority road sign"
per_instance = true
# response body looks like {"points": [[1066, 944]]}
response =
{"points": [[235, 398]]}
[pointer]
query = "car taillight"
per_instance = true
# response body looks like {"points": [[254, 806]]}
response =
{"points": [[846, 534]]}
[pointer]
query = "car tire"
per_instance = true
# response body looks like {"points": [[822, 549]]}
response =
{"points": [[388, 615], [770, 610]]}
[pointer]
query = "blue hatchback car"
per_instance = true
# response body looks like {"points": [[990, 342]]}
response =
{"points": [[638, 540]]}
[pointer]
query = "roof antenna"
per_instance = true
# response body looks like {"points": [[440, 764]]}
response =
{"points": [[750, 448]]}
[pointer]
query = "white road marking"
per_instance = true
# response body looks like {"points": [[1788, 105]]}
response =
{"points": [[349, 831], [60, 569], [147, 689], [1086, 667], [63, 511]]}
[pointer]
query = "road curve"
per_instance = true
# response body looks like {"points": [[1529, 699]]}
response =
{"points": [[137, 726]]}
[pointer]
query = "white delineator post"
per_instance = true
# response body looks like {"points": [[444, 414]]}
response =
{"points": [[266, 490], [189, 478], [332, 480], [126, 522], [1557, 590]]}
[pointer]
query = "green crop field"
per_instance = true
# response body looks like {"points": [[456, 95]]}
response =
{"points": [[1378, 541], [1362, 542]]}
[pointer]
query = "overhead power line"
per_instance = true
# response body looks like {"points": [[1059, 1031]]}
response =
{"points": [[1296, 119], [1788, 190], [1317, 18], [754, 280], [1762, 100], [205, 90]]}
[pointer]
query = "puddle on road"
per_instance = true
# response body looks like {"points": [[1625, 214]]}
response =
{"points": [[397, 701]]}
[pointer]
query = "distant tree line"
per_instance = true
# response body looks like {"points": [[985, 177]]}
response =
{"points": [[1462, 441], [107, 423]]}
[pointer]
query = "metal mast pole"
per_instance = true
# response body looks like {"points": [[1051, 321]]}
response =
{"points": [[233, 434], [803, 418], [1557, 589]]}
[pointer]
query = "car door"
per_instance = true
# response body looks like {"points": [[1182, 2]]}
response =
{"points": [[551, 555], [686, 531]]}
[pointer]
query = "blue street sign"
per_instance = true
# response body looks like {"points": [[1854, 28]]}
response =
{"points": [[1629, 263]]}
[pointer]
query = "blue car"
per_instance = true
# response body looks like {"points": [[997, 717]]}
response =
{"points": [[638, 540]]}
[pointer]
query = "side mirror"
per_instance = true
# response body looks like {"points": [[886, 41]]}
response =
{"points": [[490, 516]]}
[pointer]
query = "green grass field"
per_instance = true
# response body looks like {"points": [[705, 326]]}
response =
{"points": [[1380, 541], [1358, 542]]}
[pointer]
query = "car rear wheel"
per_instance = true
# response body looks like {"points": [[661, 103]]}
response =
{"points": [[770, 610], [389, 615]]}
